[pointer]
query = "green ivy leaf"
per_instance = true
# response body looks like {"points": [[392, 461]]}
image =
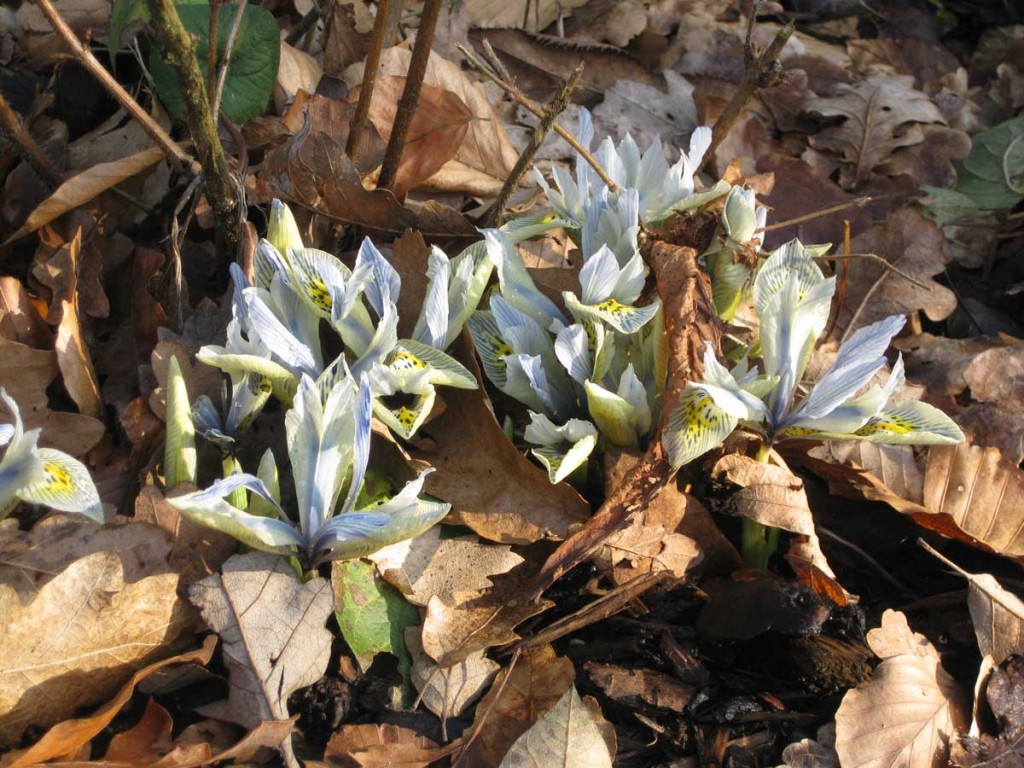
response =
{"points": [[253, 67], [124, 13], [371, 614], [992, 176]]}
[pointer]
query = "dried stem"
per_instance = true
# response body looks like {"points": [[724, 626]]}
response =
{"points": [[551, 112], [180, 51], [97, 70], [410, 95], [358, 124], [11, 126], [881, 260], [306, 23], [759, 71], [222, 72], [521, 99], [211, 53], [860, 202]]}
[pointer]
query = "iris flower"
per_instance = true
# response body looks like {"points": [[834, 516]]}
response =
{"points": [[328, 436], [793, 300], [41, 475]]}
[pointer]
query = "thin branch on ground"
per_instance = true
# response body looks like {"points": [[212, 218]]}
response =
{"points": [[522, 100], [552, 110], [860, 202], [760, 70], [881, 260], [222, 71], [180, 51], [410, 95], [12, 127], [358, 124], [97, 70]]}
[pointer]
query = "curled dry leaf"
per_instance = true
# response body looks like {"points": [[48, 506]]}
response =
{"points": [[639, 687], [566, 735], [85, 186], [273, 627], [773, 496], [908, 712], [429, 566], [998, 615], [640, 549], [447, 691], [19, 319], [85, 632], [145, 742], [808, 753], [913, 245]]}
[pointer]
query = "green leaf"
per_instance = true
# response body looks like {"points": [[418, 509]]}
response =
{"points": [[992, 176], [254, 60], [123, 13], [372, 614], [180, 444]]}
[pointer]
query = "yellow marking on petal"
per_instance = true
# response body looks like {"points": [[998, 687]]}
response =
{"points": [[892, 426], [405, 417], [701, 415], [58, 479], [798, 432], [549, 218], [401, 360], [612, 307], [317, 291]]}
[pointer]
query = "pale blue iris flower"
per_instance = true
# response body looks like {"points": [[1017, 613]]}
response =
{"points": [[41, 475], [328, 446], [793, 300]]}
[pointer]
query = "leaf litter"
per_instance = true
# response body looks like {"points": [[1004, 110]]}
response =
{"points": [[509, 634]]}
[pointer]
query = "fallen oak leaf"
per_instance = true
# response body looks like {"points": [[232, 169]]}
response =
{"points": [[72, 734], [367, 745], [908, 711], [447, 691], [275, 637], [83, 634], [566, 735]]}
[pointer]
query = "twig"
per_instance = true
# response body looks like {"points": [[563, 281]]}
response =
{"points": [[11, 126], [306, 23], [521, 99], [358, 123], [179, 50], [211, 50], [97, 70], [759, 71], [222, 72], [410, 95], [479, 724], [860, 202], [886, 264], [867, 558], [551, 112]]}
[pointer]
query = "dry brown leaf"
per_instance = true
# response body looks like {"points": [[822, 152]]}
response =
{"points": [[25, 374], [566, 735], [375, 746], [492, 487], [439, 127], [76, 363], [997, 375], [980, 491], [893, 465], [519, 697], [908, 712], [82, 636], [146, 741], [639, 687], [998, 615], [494, 14], [429, 566], [86, 186], [648, 111], [275, 637], [447, 691], [913, 245], [297, 71], [200, 379], [450, 633], [941, 363], [19, 319], [992, 426], [641, 549], [808, 753], [347, 35], [486, 156], [880, 115]]}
